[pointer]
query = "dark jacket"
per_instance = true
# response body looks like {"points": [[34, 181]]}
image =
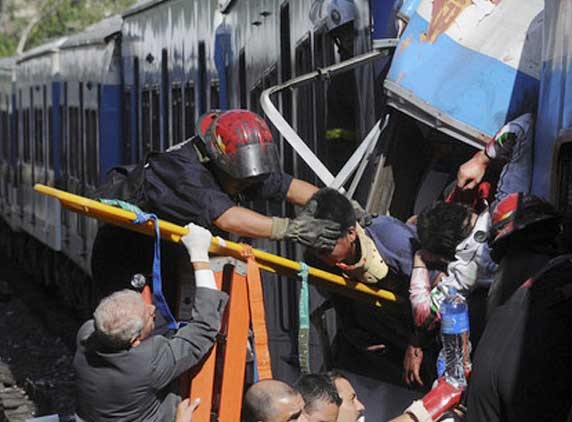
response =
{"points": [[136, 384]]}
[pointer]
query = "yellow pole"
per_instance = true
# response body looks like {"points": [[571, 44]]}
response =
{"points": [[173, 233]]}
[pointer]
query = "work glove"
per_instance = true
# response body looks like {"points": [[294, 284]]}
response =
{"points": [[362, 216], [197, 242], [436, 402], [306, 229]]}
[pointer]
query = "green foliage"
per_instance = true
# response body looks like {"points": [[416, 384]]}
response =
{"points": [[63, 17], [7, 45]]}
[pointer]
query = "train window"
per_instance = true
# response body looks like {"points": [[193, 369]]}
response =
{"points": [[74, 140], [134, 150], [127, 135], [285, 75], [26, 136], [242, 78], [324, 55], [3, 133], [270, 80], [38, 132], [215, 95], [146, 120], [90, 119], [255, 98], [304, 104], [50, 145], [189, 99], [155, 120], [177, 113], [165, 96], [202, 78], [64, 112]]}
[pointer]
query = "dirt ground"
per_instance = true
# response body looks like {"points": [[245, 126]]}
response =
{"points": [[36, 349]]}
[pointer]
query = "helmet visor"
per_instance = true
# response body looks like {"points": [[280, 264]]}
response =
{"points": [[251, 160]]}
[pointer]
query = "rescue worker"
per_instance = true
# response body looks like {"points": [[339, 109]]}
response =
{"points": [[123, 373], [203, 179], [454, 236], [371, 341], [522, 369]]}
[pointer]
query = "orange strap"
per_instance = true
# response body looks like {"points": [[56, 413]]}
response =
{"points": [[257, 316]]}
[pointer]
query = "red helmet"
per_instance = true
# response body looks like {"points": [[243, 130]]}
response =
{"points": [[518, 211], [238, 142]]}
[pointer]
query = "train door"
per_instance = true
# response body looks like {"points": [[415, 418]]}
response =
{"points": [[25, 166]]}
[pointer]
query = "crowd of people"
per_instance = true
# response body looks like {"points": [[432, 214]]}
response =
{"points": [[509, 245]]}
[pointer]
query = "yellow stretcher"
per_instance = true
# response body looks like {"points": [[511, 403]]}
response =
{"points": [[173, 233]]}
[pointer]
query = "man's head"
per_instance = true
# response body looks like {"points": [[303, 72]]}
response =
{"points": [[442, 226], [332, 205], [322, 401], [240, 145], [123, 319], [351, 409], [273, 401]]}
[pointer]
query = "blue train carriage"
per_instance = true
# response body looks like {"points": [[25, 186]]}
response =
{"points": [[7, 140], [35, 89], [552, 174], [88, 139], [169, 74]]}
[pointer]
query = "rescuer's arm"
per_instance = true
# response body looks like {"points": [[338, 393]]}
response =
{"points": [[192, 342], [300, 192], [499, 148], [304, 229]]}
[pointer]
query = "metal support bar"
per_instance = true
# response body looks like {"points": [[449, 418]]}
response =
{"points": [[383, 46]]}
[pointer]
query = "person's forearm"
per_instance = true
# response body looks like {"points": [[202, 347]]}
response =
{"points": [[244, 222], [300, 192]]}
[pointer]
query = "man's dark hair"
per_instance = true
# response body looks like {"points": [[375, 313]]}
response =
{"points": [[442, 226], [334, 375], [332, 205], [317, 387]]}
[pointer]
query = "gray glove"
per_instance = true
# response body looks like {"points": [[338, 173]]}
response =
{"points": [[362, 216], [306, 229]]}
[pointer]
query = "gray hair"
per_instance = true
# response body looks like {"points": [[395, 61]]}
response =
{"points": [[119, 317]]}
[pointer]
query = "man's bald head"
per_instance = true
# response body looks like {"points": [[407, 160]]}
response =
{"points": [[272, 401]]}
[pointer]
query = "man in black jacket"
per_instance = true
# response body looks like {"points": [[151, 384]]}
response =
{"points": [[123, 373]]}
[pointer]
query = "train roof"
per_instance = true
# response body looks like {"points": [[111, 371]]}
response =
{"points": [[141, 6], [7, 63], [95, 34], [49, 47]]}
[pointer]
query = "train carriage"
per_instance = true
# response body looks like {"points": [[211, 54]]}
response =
{"points": [[89, 134], [7, 150], [36, 87]]}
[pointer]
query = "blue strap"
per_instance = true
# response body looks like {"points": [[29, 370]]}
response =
{"points": [[304, 321], [158, 297]]}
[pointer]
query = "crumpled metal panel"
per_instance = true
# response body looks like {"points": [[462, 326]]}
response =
{"points": [[466, 67]]}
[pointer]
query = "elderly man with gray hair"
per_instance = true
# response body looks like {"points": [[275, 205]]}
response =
{"points": [[126, 374]]}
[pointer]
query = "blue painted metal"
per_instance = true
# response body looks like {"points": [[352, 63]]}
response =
{"points": [[408, 8], [450, 73], [110, 129], [555, 101]]}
